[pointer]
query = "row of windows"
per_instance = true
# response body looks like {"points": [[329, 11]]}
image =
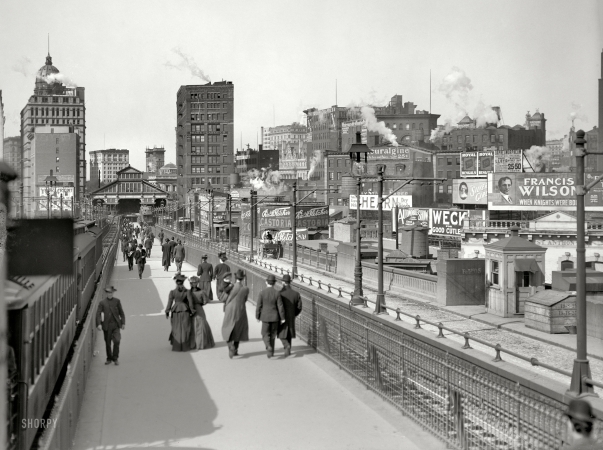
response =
{"points": [[209, 95], [448, 174], [212, 148], [58, 121], [214, 117], [57, 99], [198, 138], [404, 126], [449, 161], [211, 159], [212, 180], [56, 112], [209, 105], [345, 162], [210, 169], [211, 128], [474, 139]]}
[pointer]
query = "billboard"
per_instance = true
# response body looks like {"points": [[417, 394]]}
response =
{"points": [[245, 219], [446, 222], [539, 192], [287, 235], [55, 198], [485, 163], [380, 153], [469, 164], [307, 216], [470, 191], [369, 202], [508, 161], [410, 217]]}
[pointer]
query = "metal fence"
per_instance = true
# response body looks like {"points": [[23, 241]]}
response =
{"points": [[466, 398]]}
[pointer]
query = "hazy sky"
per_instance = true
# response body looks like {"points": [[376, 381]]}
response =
{"points": [[284, 56]]}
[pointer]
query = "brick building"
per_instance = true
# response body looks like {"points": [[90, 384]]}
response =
{"points": [[104, 164], [204, 136], [155, 158], [249, 159]]}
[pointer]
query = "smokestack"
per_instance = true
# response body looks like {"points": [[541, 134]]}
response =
{"points": [[358, 137]]}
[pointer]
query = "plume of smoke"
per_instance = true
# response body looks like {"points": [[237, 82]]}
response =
{"points": [[61, 79], [538, 157], [22, 66], [456, 86], [267, 181], [315, 161], [368, 114], [484, 115], [575, 113], [187, 63], [566, 146]]}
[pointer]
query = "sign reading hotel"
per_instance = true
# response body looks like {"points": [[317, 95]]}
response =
{"points": [[389, 153], [538, 192], [279, 217], [508, 161], [470, 191], [469, 164], [370, 202]]}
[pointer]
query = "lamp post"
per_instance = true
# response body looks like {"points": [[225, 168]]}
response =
{"points": [[229, 202], [294, 230], [581, 365], [252, 202], [380, 306], [51, 182]]}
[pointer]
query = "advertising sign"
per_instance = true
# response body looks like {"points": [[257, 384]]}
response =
{"points": [[220, 216], [485, 163], [369, 202], [55, 198], [410, 217], [60, 178], [470, 191], [389, 153], [287, 235], [508, 161], [469, 164], [245, 219], [539, 192], [445, 222], [279, 217], [204, 217]]}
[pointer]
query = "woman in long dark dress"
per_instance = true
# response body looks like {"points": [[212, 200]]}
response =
{"points": [[202, 332], [178, 307]]}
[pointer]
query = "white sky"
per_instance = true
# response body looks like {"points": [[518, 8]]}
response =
{"points": [[285, 55]]}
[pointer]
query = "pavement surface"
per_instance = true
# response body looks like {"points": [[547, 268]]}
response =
{"points": [[157, 398]]}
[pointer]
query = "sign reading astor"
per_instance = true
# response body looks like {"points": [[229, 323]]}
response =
{"points": [[279, 217], [538, 192]]}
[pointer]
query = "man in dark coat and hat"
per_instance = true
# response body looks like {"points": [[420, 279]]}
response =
{"points": [[235, 327], [292, 304], [270, 311], [113, 319], [148, 245], [580, 425], [166, 249], [173, 244], [179, 255], [219, 271], [205, 272]]}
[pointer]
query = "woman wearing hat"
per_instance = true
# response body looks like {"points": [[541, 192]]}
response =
{"points": [[203, 335], [182, 335], [235, 327]]}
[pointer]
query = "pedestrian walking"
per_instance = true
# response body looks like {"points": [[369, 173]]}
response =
{"points": [[125, 244], [270, 311], [178, 308], [202, 331], [131, 250], [140, 256], [235, 327], [160, 236], [173, 244], [179, 254], [219, 271], [292, 305], [580, 425], [148, 245], [166, 255], [110, 318], [205, 272]]}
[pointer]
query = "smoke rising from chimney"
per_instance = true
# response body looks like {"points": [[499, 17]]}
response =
{"points": [[61, 79], [575, 113], [368, 114], [267, 181], [315, 160], [187, 63], [538, 157]]}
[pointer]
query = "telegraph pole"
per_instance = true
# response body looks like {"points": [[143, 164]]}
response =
{"points": [[294, 230]]}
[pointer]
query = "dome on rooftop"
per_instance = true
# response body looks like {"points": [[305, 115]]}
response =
{"points": [[169, 166], [46, 70]]}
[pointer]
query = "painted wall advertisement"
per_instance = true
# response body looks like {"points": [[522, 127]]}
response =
{"points": [[508, 161], [389, 153], [410, 217], [279, 217], [485, 163], [370, 202], [469, 164], [55, 198], [470, 191], [539, 192], [245, 219], [287, 235]]}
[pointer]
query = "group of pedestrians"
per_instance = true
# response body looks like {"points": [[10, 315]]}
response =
{"points": [[172, 252], [132, 250]]}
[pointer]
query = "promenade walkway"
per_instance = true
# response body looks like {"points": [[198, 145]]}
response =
{"points": [[157, 398]]}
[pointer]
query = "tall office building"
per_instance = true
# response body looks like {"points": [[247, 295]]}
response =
{"points": [[155, 159], [204, 136], [54, 104], [104, 164]]}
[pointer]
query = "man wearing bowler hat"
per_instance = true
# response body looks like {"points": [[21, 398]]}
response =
{"points": [[580, 425], [270, 311], [293, 307], [220, 270], [113, 319]]}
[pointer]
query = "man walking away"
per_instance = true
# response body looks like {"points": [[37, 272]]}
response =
{"points": [[179, 253], [131, 250], [580, 425], [270, 311], [235, 326], [113, 319], [140, 256], [205, 272], [148, 245], [166, 249], [293, 307], [172, 245], [160, 236], [220, 270]]}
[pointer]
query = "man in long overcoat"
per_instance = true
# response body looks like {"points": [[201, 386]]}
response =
{"points": [[160, 236], [113, 319], [205, 272], [219, 271], [235, 327], [173, 244], [166, 249], [270, 311], [179, 254], [292, 304]]}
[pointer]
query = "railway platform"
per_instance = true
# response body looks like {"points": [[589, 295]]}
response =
{"points": [[157, 398]]}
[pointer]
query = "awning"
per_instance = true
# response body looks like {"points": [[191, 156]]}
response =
{"points": [[526, 265]]}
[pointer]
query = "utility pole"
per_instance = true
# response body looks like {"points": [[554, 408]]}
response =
{"points": [[294, 231]]}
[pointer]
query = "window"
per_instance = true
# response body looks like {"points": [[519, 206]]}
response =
{"points": [[492, 138], [449, 161], [339, 175], [484, 139], [440, 174], [450, 189], [449, 174], [458, 160], [440, 161], [441, 188], [420, 126], [413, 126], [474, 139], [458, 174], [501, 138], [459, 139], [332, 201], [467, 138], [195, 160], [331, 176], [407, 126], [495, 281], [57, 159]]}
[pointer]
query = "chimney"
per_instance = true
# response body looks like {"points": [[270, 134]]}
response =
{"points": [[514, 231], [358, 137]]}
